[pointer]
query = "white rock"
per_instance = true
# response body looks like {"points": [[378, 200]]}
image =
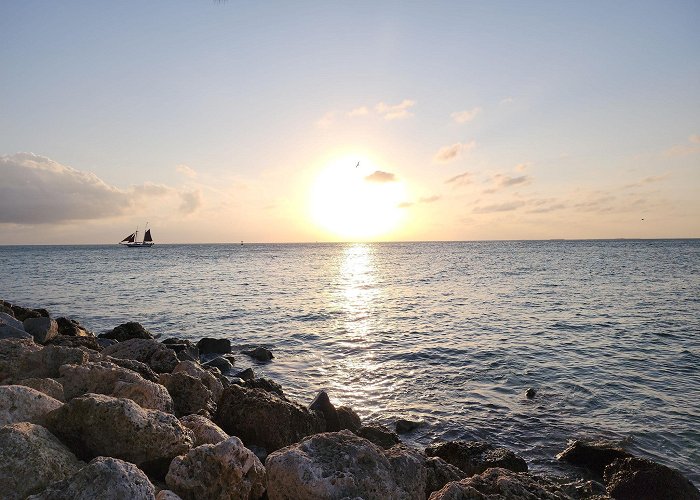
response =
{"points": [[49, 386], [205, 431], [19, 403], [210, 381]]}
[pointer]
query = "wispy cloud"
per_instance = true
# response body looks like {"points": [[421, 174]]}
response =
{"points": [[695, 138], [502, 181], [461, 179], [684, 149], [190, 201], [499, 207], [186, 171], [379, 176], [326, 120], [465, 116], [521, 167], [649, 180], [423, 200], [450, 153], [395, 111], [361, 111], [507, 100]]}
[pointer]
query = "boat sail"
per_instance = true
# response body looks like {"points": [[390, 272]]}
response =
{"points": [[131, 241]]}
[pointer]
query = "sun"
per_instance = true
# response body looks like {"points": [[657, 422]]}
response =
{"points": [[356, 202]]}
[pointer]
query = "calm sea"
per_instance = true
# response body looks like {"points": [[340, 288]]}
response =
{"points": [[607, 332]]}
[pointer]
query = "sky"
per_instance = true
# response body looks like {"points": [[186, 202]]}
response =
{"points": [[226, 121]]}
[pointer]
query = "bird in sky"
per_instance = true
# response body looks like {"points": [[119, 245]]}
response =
{"points": [[358, 164]]}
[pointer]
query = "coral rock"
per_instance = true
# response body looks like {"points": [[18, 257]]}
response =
{"points": [[19, 403], [635, 478], [204, 430], [151, 352], [474, 457]]}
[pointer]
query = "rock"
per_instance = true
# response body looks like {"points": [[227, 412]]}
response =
{"points": [[127, 331], [247, 374], [51, 358], [439, 473], [167, 495], [105, 478], [23, 358], [153, 353], [107, 378], [501, 484], [30, 459], [265, 384], [343, 465], [322, 403], [633, 478], [78, 341], [135, 366], [22, 313], [379, 435], [42, 329], [530, 393], [348, 419], [8, 319], [224, 470], [71, 328], [264, 418], [106, 342], [19, 403], [209, 345], [95, 424], [404, 426], [48, 386], [219, 362], [185, 350], [12, 357], [581, 489], [189, 394], [204, 430], [259, 353], [474, 457], [10, 332], [593, 455], [207, 378]]}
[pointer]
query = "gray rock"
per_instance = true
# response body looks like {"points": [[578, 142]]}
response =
{"points": [[635, 478], [209, 345], [22, 313], [223, 470], [105, 478], [264, 418], [95, 424], [247, 374], [404, 426], [206, 377], [49, 386], [135, 366], [343, 465], [322, 403], [127, 331], [10, 332], [189, 394], [265, 384], [76, 341], [593, 455], [184, 349], [6, 319], [204, 430], [439, 473], [167, 495], [13, 353], [19, 403], [379, 435], [31, 458], [259, 353], [219, 362], [23, 358], [106, 342], [348, 419], [474, 457], [153, 353], [42, 329]]}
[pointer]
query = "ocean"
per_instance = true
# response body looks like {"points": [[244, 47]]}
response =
{"points": [[449, 333]]}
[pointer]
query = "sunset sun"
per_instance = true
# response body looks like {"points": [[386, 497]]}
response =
{"points": [[356, 201]]}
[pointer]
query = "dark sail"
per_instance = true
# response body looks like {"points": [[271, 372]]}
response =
{"points": [[130, 238], [147, 236]]}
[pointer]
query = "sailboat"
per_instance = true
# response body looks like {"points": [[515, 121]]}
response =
{"points": [[131, 241]]}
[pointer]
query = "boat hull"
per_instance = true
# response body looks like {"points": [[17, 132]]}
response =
{"points": [[138, 245]]}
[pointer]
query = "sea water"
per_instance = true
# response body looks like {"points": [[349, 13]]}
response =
{"points": [[450, 333]]}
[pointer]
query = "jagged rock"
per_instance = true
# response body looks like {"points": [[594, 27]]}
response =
{"points": [[135, 366], [127, 331], [439, 473], [264, 418], [19, 403], [48, 386], [23, 358], [204, 430], [105, 478], [404, 426], [348, 419], [208, 345], [95, 424], [581, 489], [185, 350], [77, 341], [224, 470], [264, 383], [247, 374], [189, 394], [474, 457], [167, 495], [501, 484], [151, 352], [8, 331], [8, 319], [72, 328], [106, 342], [107, 378], [343, 465], [593, 455], [22, 313], [221, 363], [259, 353], [379, 435], [30, 459], [635, 478], [12, 354], [322, 403], [42, 329], [206, 377]]}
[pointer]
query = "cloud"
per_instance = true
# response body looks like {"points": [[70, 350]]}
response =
{"points": [[361, 111], [427, 199], [405, 204], [190, 201], [695, 138], [461, 179], [649, 180], [465, 116], [186, 171], [395, 111], [326, 120], [450, 153], [521, 167], [502, 181], [500, 207], [507, 100], [379, 176]]}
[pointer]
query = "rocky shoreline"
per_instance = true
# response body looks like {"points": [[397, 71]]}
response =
{"points": [[123, 415]]}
